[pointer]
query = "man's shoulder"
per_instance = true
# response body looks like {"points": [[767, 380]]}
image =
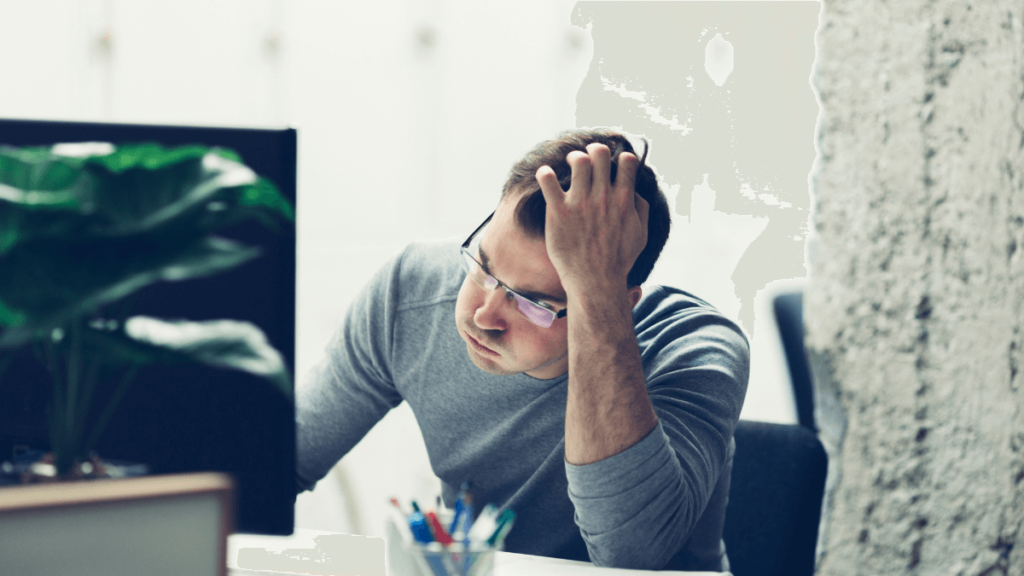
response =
{"points": [[429, 271], [666, 309], [686, 343], [660, 301]]}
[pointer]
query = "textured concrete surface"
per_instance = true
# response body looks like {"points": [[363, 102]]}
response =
{"points": [[914, 307]]}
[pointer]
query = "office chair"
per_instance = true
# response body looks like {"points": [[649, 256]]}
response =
{"points": [[778, 481], [778, 475], [789, 316]]}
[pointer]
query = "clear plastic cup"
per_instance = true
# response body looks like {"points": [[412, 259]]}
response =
{"points": [[405, 558], [455, 560]]}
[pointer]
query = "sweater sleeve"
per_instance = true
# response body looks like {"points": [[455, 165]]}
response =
{"points": [[351, 388], [637, 508]]}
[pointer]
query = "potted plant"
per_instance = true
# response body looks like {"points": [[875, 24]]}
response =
{"points": [[83, 226]]}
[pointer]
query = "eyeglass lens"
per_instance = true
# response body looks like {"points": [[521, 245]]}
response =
{"points": [[537, 314]]}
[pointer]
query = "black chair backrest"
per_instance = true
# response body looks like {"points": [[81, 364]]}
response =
{"points": [[778, 480], [789, 315]]}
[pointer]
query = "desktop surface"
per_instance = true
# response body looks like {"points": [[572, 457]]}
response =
{"points": [[363, 551]]}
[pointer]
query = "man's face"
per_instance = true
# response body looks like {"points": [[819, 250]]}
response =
{"points": [[500, 341]]}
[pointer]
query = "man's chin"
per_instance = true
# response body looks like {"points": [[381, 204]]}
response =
{"points": [[486, 364]]}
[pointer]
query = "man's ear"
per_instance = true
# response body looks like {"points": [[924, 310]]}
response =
{"points": [[635, 293]]}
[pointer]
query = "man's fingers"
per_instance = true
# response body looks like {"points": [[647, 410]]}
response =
{"points": [[579, 162], [626, 175], [549, 186], [643, 209], [601, 158]]}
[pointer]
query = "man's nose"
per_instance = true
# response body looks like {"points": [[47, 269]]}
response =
{"points": [[493, 309]]}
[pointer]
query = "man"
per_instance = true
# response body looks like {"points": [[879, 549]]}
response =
{"points": [[539, 371]]}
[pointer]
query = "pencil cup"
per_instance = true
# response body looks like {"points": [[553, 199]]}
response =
{"points": [[406, 558]]}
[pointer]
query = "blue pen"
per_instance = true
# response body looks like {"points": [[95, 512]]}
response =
{"points": [[461, 535], [421, 532], [418, 527], [463, 519], [463, 523], [459, 505]]}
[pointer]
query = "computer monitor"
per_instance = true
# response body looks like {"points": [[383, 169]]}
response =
{"points": [[191, 418]]}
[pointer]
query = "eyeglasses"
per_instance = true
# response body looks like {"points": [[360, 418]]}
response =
{"points": [[536, 312]]}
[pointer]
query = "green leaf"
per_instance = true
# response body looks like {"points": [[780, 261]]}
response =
{"points": [[147, 155], [227, 153], [40, 199], [145, 199], [52, 282], [37, 169], [40, 194], [230, 344], [85, 224], [10, 317], [137, 188], [264, 193], [26, 222]]}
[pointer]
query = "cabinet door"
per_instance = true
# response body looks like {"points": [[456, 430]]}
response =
{"points": [[54, 57], [507, 78], [195, 62]]}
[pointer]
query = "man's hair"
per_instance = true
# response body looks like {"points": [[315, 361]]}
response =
{"points": [[530, 212]]}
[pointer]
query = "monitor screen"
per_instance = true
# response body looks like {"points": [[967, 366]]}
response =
{"points": [[188, 418]]}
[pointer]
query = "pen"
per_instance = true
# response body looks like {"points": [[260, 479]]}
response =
{"points": [[466, 547], [489, 532], [421, 532], [460, 505], [504, 525], [398, 506], [459, 534], [440, 535], [443, 541], [463, 520], [499, 537], [485, 525], [418, 527]]}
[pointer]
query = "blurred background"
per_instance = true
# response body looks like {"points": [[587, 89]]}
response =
{"points": [[409, 115]]}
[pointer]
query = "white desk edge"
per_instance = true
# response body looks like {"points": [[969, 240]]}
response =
{"points": [[505, 564]]}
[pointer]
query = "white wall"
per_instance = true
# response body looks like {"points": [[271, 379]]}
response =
{"points": [[409, 115]]}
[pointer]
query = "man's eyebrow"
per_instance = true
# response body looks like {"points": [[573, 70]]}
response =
{"points": [[532, 294]]}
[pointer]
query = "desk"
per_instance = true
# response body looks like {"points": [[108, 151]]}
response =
{"points": [[250, 555]]}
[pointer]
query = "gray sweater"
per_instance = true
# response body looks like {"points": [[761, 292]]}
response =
{"points": [[505, 434]]}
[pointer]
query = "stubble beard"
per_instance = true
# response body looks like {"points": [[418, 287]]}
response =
{"points": [[484, 363]]}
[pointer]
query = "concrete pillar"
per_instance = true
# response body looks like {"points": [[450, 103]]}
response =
{"points": [[916, 300]]}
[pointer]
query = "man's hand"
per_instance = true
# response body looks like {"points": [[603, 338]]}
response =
{"points": [[595, 231]]}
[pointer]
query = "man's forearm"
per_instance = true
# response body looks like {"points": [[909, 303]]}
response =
{"points": [[607, 409]]}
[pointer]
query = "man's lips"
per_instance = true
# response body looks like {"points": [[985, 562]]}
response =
{"points": [[480, 347]]}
